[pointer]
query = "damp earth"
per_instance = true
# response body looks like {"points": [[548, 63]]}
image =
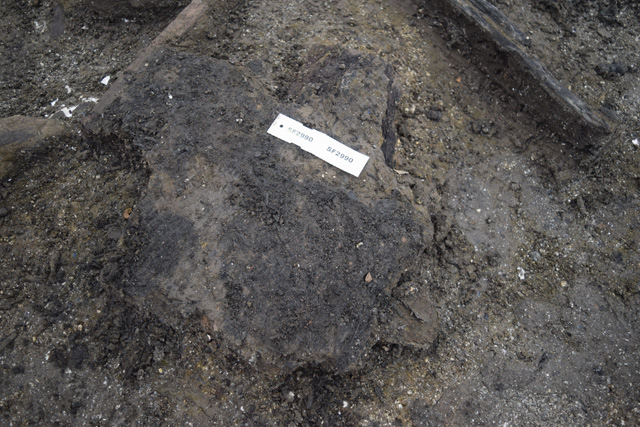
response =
{"points": [[166, 261]]}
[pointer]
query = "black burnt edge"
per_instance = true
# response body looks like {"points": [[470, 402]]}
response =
{"points": [[555, 107], [388, 129]]}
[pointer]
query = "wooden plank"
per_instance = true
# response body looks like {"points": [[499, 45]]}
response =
{"points": [[178, 27], [535, 87]]}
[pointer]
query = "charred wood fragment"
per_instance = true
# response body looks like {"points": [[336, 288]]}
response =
{"points": [[499, 47]]}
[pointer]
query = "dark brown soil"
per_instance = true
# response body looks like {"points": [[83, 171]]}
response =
{"points": [[521, 242]]}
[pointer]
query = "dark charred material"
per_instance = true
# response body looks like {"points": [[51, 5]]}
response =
{"points": [[270, 244], [499, 47]]}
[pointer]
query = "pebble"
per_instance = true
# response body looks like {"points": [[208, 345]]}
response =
{"points": [[434, 114], [613, 69], [604, 33], [4, 212]]}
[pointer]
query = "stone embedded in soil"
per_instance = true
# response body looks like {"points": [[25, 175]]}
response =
{"points": [[267, 242], [434, 114], [614, 69]]}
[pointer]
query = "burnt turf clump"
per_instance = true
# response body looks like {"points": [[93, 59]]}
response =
{"points": [[290, 261]]}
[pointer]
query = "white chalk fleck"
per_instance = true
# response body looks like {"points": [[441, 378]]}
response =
{"points": [[68, 110], [636, 142], [520, 273], [105, 81]]}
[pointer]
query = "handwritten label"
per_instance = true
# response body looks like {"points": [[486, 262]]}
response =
{"points": [[318, 144]]}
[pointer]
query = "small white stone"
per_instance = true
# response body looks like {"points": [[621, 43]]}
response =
{"points": [[105, 81], [67, 111]]}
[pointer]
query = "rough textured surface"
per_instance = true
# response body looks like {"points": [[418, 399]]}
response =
{"points": [[21, 134], [531, 276], [113, 9], [270, 243], [489, 33]]}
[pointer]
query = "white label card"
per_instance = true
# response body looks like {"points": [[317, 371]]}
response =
{"points": [[318, 144]]}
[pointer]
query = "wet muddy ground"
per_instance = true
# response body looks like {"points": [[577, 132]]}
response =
{"points": [[526, 265]]}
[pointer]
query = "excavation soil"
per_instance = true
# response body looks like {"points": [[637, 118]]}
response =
{"points": [[166, 261]]}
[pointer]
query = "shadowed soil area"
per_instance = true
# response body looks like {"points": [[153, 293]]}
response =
{"points": [[164, 260]]}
